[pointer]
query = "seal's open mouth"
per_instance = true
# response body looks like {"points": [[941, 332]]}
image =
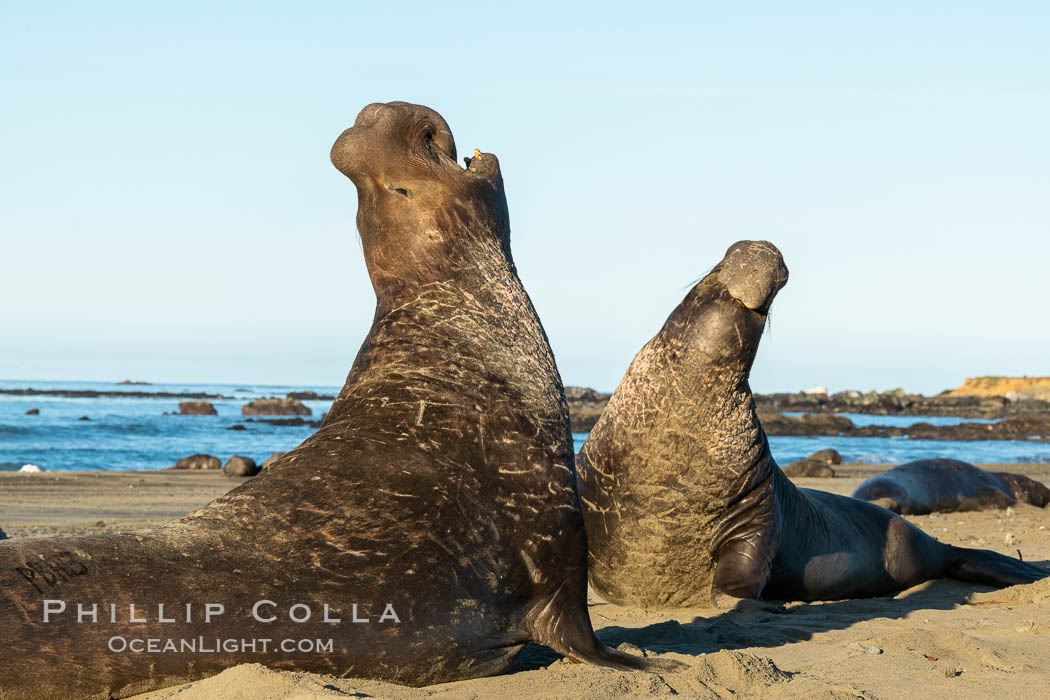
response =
{"points": [[481, 164], [468, 159]]}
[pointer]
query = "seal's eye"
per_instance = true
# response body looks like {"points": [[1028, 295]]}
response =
{"points": [[404, 192], [429, 147], [438, 142]]}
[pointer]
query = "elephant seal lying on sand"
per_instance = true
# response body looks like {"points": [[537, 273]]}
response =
{"points": [[426, 532], [817, 464], [681, 494], [946, 485]]}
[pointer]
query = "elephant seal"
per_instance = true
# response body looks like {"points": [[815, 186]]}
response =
{"points": [[682, 497], [198, 461], [427, 531], [239, 465], [817, 464], [947, 485]]}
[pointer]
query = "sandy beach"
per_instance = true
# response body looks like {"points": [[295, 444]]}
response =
{"points": [[937, 640]]}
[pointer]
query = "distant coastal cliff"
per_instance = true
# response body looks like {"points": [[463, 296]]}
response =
{"points": [[1013, 388]]}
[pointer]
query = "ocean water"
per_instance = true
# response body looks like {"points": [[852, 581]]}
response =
{"points": [[133, 433]]}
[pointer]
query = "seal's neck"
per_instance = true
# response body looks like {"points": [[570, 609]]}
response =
{"points": [[461, 241], [685, 400], [472, 327], [697, 418]]}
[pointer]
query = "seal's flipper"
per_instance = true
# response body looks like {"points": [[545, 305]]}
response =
{"points": [[742, 568], [602, 655], [991, 568], [1024, 489], [745, 542], [560, 626]]}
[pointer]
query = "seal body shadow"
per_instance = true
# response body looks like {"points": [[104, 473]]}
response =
{"points": [[434, 513], [682, 498]]}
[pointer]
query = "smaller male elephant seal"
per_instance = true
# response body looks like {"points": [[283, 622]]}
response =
{"points": [[817, 465], [947, 485], [681, 494], [425, 533]]}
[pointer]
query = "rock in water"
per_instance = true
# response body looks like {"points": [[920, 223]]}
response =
{"points": [[309, 396], [809, 424], [197, 408], [276, 407]]}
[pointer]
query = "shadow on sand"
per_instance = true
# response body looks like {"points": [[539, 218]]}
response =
{"points": [[762, 623]]}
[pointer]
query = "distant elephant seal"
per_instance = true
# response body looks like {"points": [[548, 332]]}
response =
{"points": [[426, 532], [682, 497], [816, 465], [239, 465], [198, 461], [947, 485]]}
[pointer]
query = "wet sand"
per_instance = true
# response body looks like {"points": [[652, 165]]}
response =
{"points": [[942, 639], [81, 503]]}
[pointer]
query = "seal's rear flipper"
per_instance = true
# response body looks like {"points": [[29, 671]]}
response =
{"points": [[991, 568], [565, 626], [602, 655]]}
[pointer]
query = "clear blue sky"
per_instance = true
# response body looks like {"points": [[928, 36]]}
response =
{"points": [[168, 211]]}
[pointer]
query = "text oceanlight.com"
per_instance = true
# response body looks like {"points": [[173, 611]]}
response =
{"points": [[202, 645]]}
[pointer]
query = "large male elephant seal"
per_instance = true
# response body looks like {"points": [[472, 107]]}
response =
{"points": [[425, 533], [681, 494], [946, 485]]}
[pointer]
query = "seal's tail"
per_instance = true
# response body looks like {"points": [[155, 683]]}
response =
{"points": [[565, 627], [991, 568]]}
